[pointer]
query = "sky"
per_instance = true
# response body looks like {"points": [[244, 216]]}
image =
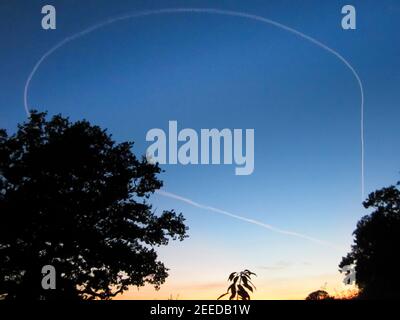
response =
{"points": [[214, 71]]}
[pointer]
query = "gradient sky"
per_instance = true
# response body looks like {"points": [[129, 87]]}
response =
{"points": [[210, 71]]}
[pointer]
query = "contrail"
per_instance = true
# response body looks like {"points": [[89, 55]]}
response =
{"points": [[208, 11], [226, 13], [242, 218]]}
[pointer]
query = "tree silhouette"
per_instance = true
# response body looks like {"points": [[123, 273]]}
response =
{"points": [[73, 198], [240, 282], [377, 246], [319, 295]]}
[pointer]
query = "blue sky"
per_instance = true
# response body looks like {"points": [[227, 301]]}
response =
{"points": [[211, 71]]}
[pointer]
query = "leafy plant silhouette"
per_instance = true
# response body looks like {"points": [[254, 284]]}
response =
{"points": [[240, 281]]}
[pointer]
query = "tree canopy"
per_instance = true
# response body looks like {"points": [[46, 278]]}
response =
{"points": [[319, 295], [71, 197], [377, 245]]}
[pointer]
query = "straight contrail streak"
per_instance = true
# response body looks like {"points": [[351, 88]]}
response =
{"points": [[209, 11], [242, 218]]}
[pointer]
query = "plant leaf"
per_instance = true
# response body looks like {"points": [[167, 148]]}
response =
{"points": [[232, 287], [222, 295], [247, 271], [245, 283], [243, 293]]}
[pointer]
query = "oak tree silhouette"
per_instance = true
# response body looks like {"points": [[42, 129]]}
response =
{"points": [[377, 245], [73, 198]]}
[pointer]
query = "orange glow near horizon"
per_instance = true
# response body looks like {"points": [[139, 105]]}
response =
{"points": [[267, 289]]}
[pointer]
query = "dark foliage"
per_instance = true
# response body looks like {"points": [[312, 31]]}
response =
{"points": [[377, 246], [240, 283], [73, 198], [319, 295]]}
